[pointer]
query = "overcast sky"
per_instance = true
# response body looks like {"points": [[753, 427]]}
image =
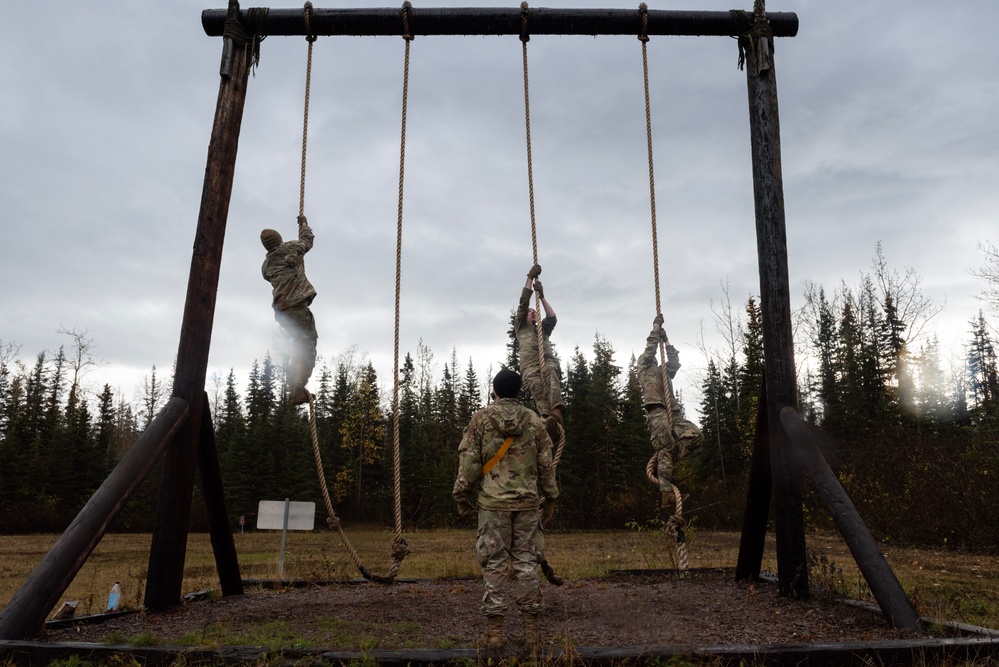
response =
{"points": [[888, 127]]}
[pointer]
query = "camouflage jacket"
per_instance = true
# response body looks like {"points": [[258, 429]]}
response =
{"points": [[527, 333], [651, 375], [284, 269], [523, 475]]}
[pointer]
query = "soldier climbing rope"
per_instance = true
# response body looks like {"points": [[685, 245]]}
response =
{"points": [[675, 523]]}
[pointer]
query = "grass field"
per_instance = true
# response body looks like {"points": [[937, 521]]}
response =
{"points": [[942, 583]]}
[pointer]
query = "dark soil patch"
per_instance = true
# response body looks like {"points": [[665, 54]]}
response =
{"points": [[703, 608]]}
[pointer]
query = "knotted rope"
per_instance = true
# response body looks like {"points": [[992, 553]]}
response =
{"points": [[675, 522], [400, 548], [241, 36], [758, 33]]}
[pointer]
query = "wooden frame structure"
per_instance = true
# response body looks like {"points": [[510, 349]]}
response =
{"points": [[182, 433]]}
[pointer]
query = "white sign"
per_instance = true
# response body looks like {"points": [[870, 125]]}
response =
{"points": [[270, 515]]}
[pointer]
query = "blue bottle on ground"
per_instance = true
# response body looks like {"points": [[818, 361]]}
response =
{"points": [[114, 597]]}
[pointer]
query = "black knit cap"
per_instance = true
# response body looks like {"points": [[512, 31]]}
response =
{"points": [[506, 384]]}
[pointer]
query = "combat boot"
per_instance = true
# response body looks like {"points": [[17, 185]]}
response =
{"points": [[554, 429], [299, 396], [669, 502], [532, 632], [493, 639]]}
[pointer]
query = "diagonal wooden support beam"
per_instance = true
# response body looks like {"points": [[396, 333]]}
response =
{"points": [[40, 592]]}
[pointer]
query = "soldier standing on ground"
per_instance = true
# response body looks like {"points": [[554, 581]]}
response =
{"points": [[284, 269], [656, 381], [544, 384], [505, 470]]}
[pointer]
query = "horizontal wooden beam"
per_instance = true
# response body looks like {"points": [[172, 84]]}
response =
{"points": [[502, 21]]}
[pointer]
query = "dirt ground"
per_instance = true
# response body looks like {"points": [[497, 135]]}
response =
{"points": [[706, 607]]}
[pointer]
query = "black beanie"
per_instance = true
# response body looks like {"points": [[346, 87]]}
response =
{"points": [[506, 384]]}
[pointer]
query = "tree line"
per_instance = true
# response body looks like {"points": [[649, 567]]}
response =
{"points": [[913, 444]]}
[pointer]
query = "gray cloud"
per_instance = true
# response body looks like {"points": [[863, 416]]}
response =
{"points": [[888, 134]]}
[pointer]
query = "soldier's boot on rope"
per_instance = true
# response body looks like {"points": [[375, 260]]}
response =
{"points": [[299, 396], [554, 424], [296, 381], [669, 501], [493, 638], [532, 631]]}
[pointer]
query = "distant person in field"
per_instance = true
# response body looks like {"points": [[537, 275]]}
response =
{"points": [[543, 383], [506, 474], [284, 269], [657, 386]]}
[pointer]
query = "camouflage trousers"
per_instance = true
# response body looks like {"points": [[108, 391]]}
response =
{"points": [[686, 438], [509, 547], [544, 384], [300, 327]]}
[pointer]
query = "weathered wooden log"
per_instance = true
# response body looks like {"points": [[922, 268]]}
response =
{"points": [[219, 525], [40, 592], [503, 21], [775, 313], [754, 523], [880, 577], [173, 510], [946, 650]]}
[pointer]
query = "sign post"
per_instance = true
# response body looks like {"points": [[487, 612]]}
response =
{"points": [[285, 515]]}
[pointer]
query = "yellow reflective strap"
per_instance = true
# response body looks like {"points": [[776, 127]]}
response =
{"points": [[491, 463]]}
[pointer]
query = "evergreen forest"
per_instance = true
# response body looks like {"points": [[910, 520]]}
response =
{"points": [[913, 443]]}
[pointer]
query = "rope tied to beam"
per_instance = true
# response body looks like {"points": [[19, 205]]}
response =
{"points": [[247, 37], [400, 548], [758, 33], [675, 522], [644, 39], [525, 37], [406, 34], [310, 37]]}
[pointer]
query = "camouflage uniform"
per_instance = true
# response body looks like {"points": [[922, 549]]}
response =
{"points": [[284, 269], [510, 540], [544, 385], [656, 381]]}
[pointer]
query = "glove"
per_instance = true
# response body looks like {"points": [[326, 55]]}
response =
{"points": [[539, 289], [302, 220], [466, 510], [547, 511], [534, 272], [659, 320]]}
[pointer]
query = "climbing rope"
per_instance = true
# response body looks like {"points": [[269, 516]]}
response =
{"points": [[644, 39], [400, 548], [310, 37], [525, 37], [675, 523], [332, 520]]}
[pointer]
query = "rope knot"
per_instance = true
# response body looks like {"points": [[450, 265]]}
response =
{"points": [[309, 35], [406, 35], [400, 548], [524, 35], [333, 522], [643, 9]]}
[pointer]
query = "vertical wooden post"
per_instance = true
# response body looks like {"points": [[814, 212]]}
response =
{"points": [[775, 303], [169, 543], [219, 526], [26, 611], [754, 523]]}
